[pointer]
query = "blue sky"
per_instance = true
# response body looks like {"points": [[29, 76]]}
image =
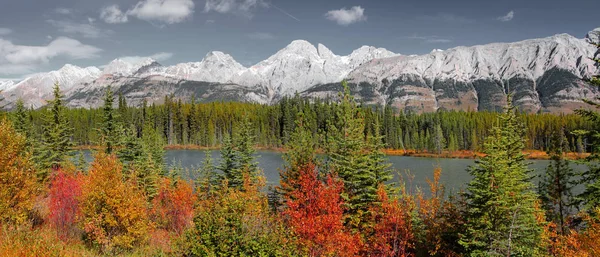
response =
{"points": [[40, 35]]}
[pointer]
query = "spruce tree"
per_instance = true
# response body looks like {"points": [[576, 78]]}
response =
{"points": [[349, 158], [557, 183], [229, 162], [111, 130], [208, 179], [245, 141], [501, 216], [300, 152], [56, 145], [238, 156], [590, 197], [21, 119]]}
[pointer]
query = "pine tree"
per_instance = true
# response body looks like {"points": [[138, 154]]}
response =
{"points": [[300, 152], [229, 162], [208, 180], [56, 144], [557, 183], [501, 218], [111, 129], [237, 156], [348, 157], [245, 147], [21, 120], [378, 164]]}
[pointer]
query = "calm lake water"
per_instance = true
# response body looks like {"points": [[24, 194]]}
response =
{"points": [[454, 171]]}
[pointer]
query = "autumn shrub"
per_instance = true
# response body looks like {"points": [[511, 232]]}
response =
{"points": [[314, 212], [39, 242], [236, 222], [440, 220], [173, 206], [113, 212], [585, 243], [393, 229], [18, 185], [64, 195]]}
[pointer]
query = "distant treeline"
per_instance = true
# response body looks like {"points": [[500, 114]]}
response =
{"points": [[206, 124]]}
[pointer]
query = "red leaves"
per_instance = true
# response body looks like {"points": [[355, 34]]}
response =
{"points": [[393, 234], [173, 206], [65, 190], [315, 214]]}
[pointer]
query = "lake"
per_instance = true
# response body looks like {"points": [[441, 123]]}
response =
{"points": [[454, 171]]}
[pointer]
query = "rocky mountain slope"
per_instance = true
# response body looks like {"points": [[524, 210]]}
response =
{"points": [[544, 75]]}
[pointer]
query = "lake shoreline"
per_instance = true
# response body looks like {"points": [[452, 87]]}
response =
{"points": [[462, 154]]}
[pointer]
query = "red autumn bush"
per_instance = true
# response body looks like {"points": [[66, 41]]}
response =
{"points": [[173, 206], [315, 214], [392, 231], [64, 193]]}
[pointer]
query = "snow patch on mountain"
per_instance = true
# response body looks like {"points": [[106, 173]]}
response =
{"points": [[215, 67], [497, 61]]}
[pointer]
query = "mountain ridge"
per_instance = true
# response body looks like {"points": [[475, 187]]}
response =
{"points": [[545, 74]]}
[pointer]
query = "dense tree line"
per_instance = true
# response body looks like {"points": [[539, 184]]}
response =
{"points": [[209, 124]]}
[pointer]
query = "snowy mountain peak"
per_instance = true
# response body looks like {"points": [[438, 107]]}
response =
{"points": [[324, 52], [127, 67], [593, 36], [6, 84]]}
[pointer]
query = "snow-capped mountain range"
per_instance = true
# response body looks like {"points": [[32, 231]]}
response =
{"points": [[544, 75]]}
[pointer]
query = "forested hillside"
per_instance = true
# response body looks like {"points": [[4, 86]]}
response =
{"points": [[207, 124]]}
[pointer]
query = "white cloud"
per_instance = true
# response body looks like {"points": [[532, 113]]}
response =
{"points": [[162, 56], [19, 59], [167, 11], [112, 14], [5, 31], [63, 11], [508, 17], [345, 16], [87, 30], [261, 36], [239, 7]]}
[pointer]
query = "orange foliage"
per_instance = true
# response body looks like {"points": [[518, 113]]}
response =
{"points": [[173, 206], [18, 184], [392, 232], [315, 214], [585, 243], [64, 193], [113, 212]]}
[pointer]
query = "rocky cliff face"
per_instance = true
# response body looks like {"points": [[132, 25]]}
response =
{"points": [[545, 75]]}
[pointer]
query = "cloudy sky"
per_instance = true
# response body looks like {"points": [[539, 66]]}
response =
{"points": [[40, 35]]}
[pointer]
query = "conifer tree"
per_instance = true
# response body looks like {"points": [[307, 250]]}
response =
{"points": [[377, 160], [590, 197], [237, 156], [501, 218], [111, 130], [21, 120], [348, 157], [245, 148], [56, 145], [208, 180], [557, 183], [300, 152]]}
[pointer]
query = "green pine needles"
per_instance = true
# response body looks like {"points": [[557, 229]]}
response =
{"points": [[502, 208], [56, 145]]}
